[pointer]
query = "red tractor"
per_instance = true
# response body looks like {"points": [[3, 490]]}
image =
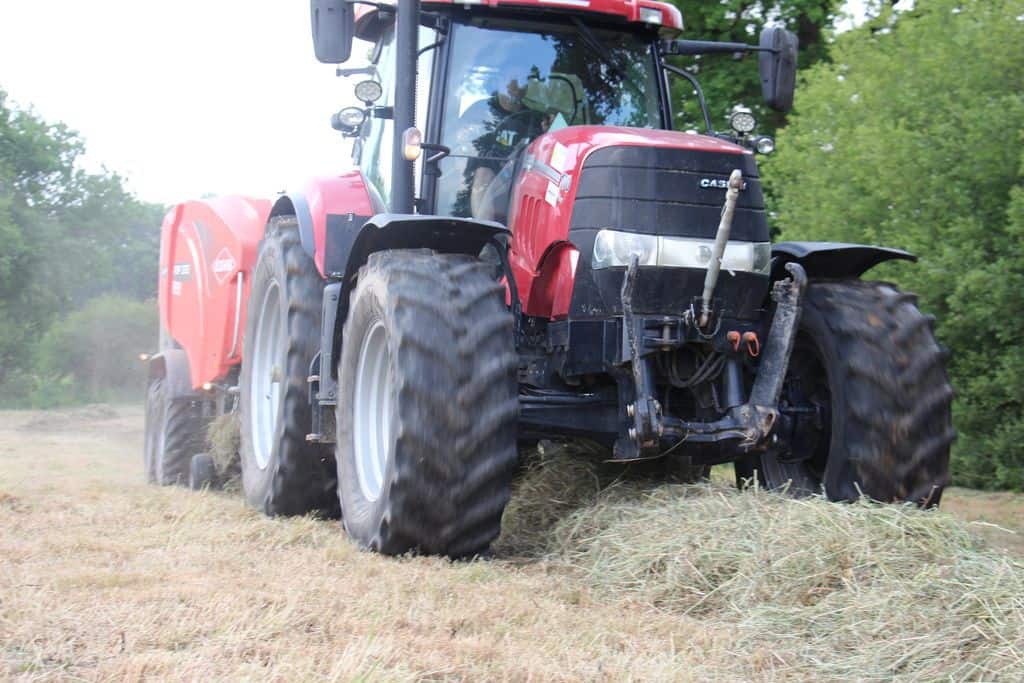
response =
{"points": [[526, 250]]}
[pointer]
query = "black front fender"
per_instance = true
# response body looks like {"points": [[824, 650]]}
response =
{"points": [[387, 231], [832, 259]]}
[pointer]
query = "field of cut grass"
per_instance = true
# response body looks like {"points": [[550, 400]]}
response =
{"points": [[105, 578]]}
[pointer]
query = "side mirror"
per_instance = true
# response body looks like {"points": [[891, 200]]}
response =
{"points": [[333, 27], [778, 67]]}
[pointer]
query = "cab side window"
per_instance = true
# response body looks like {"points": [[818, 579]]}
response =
{"points": [[375, 150]]}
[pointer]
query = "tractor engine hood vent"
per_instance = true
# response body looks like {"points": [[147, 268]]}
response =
{"points": [[665, 191], [668, 191]]}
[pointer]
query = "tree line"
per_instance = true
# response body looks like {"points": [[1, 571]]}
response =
{"points": [[78, 256], [907, 132]]}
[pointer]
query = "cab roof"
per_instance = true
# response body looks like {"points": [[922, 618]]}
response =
{"points": [[368, 22]]}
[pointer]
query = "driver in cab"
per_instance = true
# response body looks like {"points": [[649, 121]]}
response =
{"points": [[492, 131]]}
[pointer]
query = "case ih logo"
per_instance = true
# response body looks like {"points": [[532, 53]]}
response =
{"points": [[714, 182], [223, 265]]}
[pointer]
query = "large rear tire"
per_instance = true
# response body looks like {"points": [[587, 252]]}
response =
{"points": [[175, 429], [282, 473], [866, 358], [426, 443]]}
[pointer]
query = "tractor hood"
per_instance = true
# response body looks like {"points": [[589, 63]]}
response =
{"points": [[579, 180]]}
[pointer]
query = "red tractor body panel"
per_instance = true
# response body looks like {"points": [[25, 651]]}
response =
{"points": [[207, 253], [347, 193], [542, 259]]}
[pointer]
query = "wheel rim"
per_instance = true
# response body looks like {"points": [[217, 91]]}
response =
{"points": [[267, 374], [371, 426]]}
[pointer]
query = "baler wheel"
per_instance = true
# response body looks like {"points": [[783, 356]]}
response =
{"points": [[866, 358], [202, 473], [282, 473], [426, 444], [175, 429]]}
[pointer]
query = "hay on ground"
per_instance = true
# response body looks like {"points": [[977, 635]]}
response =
{"points": [[223, 437], [556, 480], [840, 591]]}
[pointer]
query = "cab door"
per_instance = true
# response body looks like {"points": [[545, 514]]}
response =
{"points": [[375, 150]]}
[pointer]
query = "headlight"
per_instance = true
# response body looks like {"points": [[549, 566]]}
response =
{"points": [[764, 145], [368, 91], [742, 121], [348, 120], [650, 15], [613, 248]]}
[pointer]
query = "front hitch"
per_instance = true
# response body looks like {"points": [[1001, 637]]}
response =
{"points": [[749, 424], [752, 423]]}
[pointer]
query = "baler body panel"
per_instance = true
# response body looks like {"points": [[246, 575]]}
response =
{"points": [[633, 179], [208, 249]]}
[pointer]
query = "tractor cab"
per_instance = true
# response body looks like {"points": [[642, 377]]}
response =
{"points": [[491, 80], [510, 81]]}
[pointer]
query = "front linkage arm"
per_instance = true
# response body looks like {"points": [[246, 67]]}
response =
{"points": [[752, 423], [749, 424]]}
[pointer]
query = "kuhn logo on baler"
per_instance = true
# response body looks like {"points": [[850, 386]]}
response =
{"points": [[223, 265]]}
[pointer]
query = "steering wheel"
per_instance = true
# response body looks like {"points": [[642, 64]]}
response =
{"points": [[533, 124]]}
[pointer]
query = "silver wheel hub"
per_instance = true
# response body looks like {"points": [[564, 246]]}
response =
{"points": [[371, 412], [268, 351]]}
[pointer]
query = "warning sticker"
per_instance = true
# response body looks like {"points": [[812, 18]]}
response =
{"points": [[558, 154], [223, 265], [551, 195]]}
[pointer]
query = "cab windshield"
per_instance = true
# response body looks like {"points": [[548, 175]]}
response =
{"points": [[507, 86]]}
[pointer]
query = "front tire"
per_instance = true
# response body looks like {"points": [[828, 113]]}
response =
{"points": [[282, 473], [426, 444], [866, 359]]}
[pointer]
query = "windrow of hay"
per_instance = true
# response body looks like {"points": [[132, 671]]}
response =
{"points": [[223, 441], [554, 483], [556, 480], [840, 591]]}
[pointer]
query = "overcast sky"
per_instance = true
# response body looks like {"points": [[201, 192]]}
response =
{"points": [[182, 97], [185, 97]]}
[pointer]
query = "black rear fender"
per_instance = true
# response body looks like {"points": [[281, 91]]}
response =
{"points": [[171, 365]]}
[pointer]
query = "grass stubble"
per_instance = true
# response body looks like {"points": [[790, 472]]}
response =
{"points": [[102, 577]]}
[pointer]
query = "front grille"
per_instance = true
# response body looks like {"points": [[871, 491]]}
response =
{"points": [[658, 191], [667, 192]]}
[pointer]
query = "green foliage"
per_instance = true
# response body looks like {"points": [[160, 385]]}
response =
{"points": [[92, 354], [726, 81], [65, 236], [911, 138]]}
